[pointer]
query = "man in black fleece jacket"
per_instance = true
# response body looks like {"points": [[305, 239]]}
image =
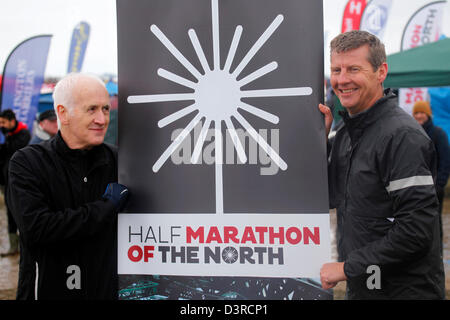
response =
{"points": [[65, 198]]}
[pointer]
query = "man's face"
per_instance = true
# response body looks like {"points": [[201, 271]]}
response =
{"points": [[49, 126], [85, 125], [421, 117], [7, 124], [353, 80]]}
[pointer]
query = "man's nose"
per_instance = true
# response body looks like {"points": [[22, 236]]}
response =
{"points": [[100, 118], [343, 77]]}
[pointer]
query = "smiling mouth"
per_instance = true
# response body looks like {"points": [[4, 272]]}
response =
{"points": [[347, 91]]}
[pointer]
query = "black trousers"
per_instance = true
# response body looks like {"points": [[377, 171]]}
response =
{"points": [[440, 194], [12, 226]]}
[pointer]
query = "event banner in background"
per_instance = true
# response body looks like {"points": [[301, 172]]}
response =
{"points": [[23, 76], [78, 45], [423, 27], [375, 16], [223, 150], [351, 18]]}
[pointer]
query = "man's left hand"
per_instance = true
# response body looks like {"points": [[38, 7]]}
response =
{"points": [[331, 274]]}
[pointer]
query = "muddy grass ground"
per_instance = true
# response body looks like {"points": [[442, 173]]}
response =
{"points": [[9, 266]]}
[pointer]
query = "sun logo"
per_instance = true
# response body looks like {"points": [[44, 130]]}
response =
{"points": [[217, 97]]}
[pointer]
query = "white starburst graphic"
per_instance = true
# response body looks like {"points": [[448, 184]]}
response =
{"points": [[229, 255], [217, 97]]}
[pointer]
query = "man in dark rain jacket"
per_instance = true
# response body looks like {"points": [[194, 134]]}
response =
{"points": [[381, 180], [17, 136], [65, 201]]}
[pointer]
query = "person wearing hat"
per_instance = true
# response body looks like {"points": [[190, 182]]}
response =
{"points": [[47, 126], [423, 115]]}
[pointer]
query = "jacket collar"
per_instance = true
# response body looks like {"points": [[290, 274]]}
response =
{"points": [[428, 124], [97, 154], [356, 125]]}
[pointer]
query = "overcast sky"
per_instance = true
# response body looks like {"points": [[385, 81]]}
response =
{"points": [[21, 19]]}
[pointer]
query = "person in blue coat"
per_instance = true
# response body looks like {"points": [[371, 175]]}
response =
{"points": [[423, 115]]}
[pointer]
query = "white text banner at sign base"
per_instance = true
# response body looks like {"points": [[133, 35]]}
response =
{"points": [[247, 245]]}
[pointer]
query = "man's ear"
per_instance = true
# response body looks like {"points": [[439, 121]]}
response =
{"points": [[382, 72], [63, 115]]}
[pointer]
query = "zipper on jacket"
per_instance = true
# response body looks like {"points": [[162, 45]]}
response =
{"points": [[350, 150]]}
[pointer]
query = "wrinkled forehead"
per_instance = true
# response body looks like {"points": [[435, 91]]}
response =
{"points": [[360, 54], [362, 50], [88, 91]]}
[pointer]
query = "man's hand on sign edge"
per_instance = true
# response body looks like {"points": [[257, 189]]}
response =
{"points": [[328, 117]]}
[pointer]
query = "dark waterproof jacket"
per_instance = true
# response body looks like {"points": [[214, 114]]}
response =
{"points": [[381, 183], [440, 140], [65, 225]]}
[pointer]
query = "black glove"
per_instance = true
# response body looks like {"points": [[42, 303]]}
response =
{"points": [[117, 193]]}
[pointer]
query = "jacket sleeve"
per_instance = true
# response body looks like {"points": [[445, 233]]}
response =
{"points": [[406, 163], [443, 152], [38, 224]]}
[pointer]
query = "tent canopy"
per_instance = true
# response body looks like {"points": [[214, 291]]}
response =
{"points": [[424, 66]]}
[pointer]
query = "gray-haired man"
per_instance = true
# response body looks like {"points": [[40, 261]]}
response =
{"points": [[65, 198]]}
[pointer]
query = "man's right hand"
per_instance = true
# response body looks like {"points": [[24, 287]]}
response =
{"points": [[117, 193], [328, 117]]}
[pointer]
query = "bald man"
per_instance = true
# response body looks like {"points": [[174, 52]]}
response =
{"points": [[65, 198]]}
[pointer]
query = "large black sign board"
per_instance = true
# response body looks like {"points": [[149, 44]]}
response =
{"points": [[218, 124]]}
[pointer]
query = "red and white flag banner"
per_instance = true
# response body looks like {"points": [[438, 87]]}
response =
{"points": [[352, 15]]}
